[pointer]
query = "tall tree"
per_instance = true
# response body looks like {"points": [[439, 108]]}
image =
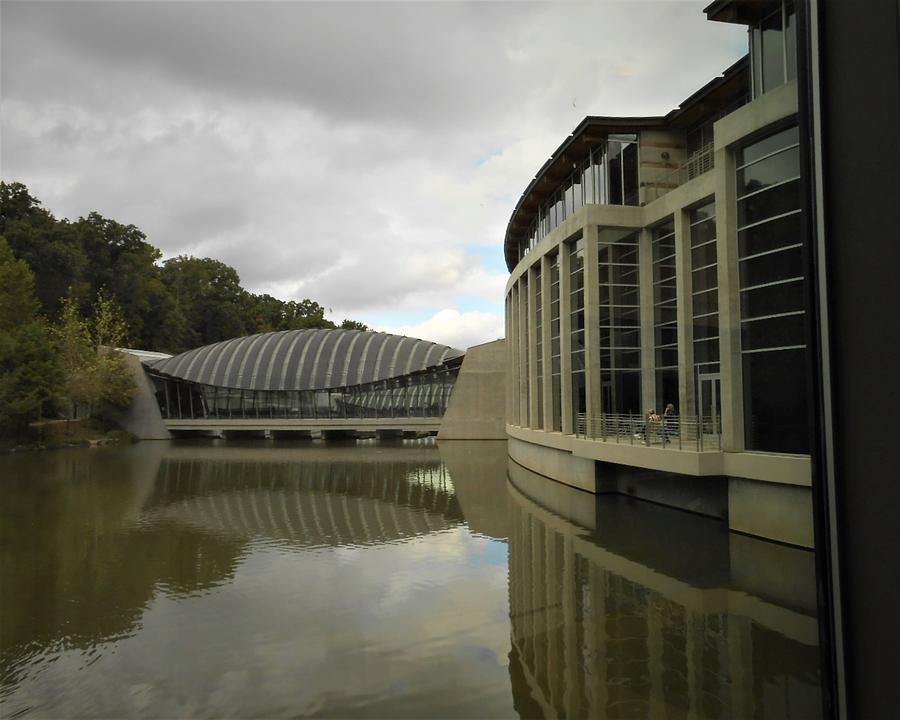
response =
{"points": [[29, 373]]}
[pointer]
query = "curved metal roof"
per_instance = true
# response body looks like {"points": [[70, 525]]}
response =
{"points": [[305, 359]]}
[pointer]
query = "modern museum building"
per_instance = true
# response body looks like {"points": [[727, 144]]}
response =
{"points": [[656, 309]]}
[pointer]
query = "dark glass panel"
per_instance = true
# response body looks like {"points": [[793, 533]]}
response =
{"points": [[705, 278], [768, 145], [706, 351], [666, 388], [625, 295], [771, 267], [614, 173], [627, 359], [773, 332], [703, 232], [704, 212], [628, 393], [772, 52], [666, 335], [624, 254], [775, 201], [578, 341], [768, 236], [706, 327], [627, 337], [630, 173], [706, 302], [775, 418], [790, 42], [579, 398], [767, 172], [773, 299], [578, 361]]}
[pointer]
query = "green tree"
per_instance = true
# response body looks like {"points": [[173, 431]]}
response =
{"points": [[77, 358], [116, 384], [209, 295], [49, 246], [29, 374], [353, 325]]}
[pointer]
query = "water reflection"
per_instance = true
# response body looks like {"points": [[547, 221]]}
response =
{"points": [[625, 609], [409, 581]]}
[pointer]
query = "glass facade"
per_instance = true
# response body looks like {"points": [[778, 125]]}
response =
{"points": [[555, 366], [576, 345], [422, 394], [770, 261], [620, 323], [773, 49], [665, 319], [608, 176], [538, 422], [705, 289]]}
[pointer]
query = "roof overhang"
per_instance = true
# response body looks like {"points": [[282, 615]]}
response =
{"points": [[739, 12], [594, 129]]}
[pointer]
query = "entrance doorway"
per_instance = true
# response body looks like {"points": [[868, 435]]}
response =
{"points": [[710, 405]]}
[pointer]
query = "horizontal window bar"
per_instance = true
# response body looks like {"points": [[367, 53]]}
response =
{"points": [[770, 252], [772, 284], [769, 219]]}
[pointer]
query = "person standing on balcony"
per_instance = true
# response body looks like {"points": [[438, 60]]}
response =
{"points": [[669, 421]]}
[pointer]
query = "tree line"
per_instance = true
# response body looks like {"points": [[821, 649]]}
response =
{"points": [[68, 288]]}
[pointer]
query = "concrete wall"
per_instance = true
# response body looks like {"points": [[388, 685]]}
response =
{"points": [[558, 465], [477, 409], [770, 510], [143, 419]]}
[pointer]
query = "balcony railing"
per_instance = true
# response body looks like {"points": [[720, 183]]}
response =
{"points": [[698, 433]]}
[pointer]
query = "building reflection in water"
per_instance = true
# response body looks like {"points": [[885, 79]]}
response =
{"points": [[622, 609]]}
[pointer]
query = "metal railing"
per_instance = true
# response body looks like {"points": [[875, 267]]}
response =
{"points": [[697, 433]]}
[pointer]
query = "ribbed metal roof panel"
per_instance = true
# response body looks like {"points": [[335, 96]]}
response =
{"points": [[304, 359]]}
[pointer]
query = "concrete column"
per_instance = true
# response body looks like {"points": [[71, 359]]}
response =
{"points": [[592, 321], [545, 343], [648, 341], [532, 349], [523, 349], [684, 312], [729, 304], [565, 339]]}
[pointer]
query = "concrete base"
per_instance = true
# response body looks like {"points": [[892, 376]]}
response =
{"points": [[477, 408], [770, 510], [142, 418], [703, 495], [556, 464], [389, 434]]}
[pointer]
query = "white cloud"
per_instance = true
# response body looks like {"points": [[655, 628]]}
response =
{"points": [[457, 329]]}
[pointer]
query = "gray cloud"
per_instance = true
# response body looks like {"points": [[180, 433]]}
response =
{"points": [[363, 154]]}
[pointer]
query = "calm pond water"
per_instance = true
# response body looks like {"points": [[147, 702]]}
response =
{"points": [[407, 580]]}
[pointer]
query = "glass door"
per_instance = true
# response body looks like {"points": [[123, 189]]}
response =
{"points": [[710, 404]]}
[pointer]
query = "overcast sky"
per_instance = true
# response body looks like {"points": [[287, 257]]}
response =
{"points": [[365, 155]]}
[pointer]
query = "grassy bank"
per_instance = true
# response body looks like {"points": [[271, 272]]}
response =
{"points": [[49, 434]]}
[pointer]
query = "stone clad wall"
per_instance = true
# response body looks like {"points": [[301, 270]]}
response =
{"points": [[477, 409]]}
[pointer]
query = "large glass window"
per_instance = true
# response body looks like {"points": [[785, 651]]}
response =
{"points": [[620, 322], [772, 279], [555, 367], [773, 49], [609, 176], [526, 365], [576, 299], [665, 315], [705, 290]]}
